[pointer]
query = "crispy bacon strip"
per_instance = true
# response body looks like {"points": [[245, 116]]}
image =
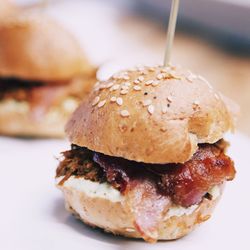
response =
{"points": [[147, 206]]}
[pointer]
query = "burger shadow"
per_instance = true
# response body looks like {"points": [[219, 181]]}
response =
{"points": [[63, 217]]}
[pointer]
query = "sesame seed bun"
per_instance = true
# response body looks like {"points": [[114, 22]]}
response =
{"points": [[35, 47], [151, 115], [113, 216]]}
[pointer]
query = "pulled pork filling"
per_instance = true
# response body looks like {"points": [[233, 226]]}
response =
{"points": [[186, 184], [150, 189]]}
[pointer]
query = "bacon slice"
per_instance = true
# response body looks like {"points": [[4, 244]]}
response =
{"points": [[187, 183], [147, 206]]}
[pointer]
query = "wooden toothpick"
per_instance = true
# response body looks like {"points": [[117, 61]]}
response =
{"points": [[171, 30]]}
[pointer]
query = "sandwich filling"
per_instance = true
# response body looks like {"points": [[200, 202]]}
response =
{"points": [[150, 189], [41, 96]]}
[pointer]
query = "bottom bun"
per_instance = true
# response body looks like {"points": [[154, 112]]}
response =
{"points": [[100, 205]]}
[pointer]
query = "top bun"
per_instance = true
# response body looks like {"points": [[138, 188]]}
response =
{"points": [[34, 47], [151, 115]]}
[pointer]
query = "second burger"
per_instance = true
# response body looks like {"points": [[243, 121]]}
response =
{"points": [[43, 76]]}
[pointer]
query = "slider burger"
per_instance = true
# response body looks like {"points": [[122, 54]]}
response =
{"points": [[43, 75], [147, 158]]}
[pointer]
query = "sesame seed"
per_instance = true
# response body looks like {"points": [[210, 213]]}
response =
{"points": [[124, 113], [146, 102], [155, 83], [151, 69], [140, 78], [169, 98], [196, 102], [101, 104], [124, 87], [115, 87], [128, 84], [164, 109], [151, 109], [113, 99], [136, 81], [109, 85], [96, 100], [160, 76], [137, 88], [149, 82], [124, 92], [119, 101]]}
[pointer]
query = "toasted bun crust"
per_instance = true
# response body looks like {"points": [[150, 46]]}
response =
{"points": [[35, 47], [113, 216], [161, 116]]}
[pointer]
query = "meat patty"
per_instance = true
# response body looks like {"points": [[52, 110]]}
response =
{"points": [[185, 184]]}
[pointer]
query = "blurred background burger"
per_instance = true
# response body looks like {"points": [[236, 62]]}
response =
{"points": [[44, 74]]}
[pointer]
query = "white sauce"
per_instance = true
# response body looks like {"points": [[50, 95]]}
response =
{"points": [[179, 211], [215, 192], [93, 189], [106, 191]]}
